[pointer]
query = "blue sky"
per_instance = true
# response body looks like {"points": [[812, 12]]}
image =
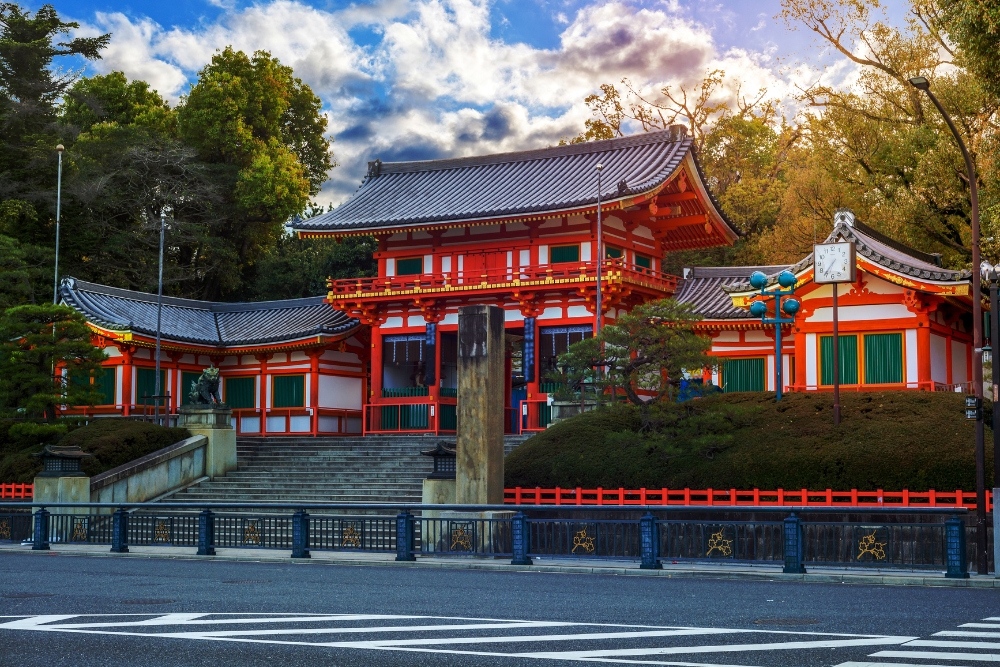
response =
{"points": [[421, 79]]}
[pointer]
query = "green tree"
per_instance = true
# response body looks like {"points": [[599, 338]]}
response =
{"points": [[261, 130], [30, 88], [644, 352], [25, 273], [41, 348], [297, 268]]}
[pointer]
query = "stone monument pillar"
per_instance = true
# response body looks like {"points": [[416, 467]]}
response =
{"points": [[479, 445], [215, 423]]}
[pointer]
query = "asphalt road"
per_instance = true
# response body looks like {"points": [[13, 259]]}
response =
{"points": [[66, 610]]}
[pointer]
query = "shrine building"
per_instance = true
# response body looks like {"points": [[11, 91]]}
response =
{"points": [[906, 323], [519, 231]]}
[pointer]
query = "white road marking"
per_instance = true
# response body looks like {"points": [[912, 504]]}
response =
{"points": [[980, 625], [966, 633], [892, 664], [937, 655], [946, 644]]}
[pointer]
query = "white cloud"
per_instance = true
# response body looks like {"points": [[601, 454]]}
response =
{"points": [[436, 83]]}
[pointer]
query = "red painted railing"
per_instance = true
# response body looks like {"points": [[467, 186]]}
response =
{"points": [[17, 491], [733, 497], [613, 270]]}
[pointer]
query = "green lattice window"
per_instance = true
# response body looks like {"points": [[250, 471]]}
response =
{"points": [[410, 266], [239, 392], [145, 384], [883, 358], [564, 253], [104, 384], [643, 261], [848, 359], [612, 252], [743, 375], [289, 391]]}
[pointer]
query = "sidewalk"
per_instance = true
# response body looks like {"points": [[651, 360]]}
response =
{"points": [[824, 575]]}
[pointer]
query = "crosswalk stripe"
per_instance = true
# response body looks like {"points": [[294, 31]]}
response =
{"points": [[892, 664], [980, 625], [931, 643], [726, 648], [937, 655], [965, 633]]}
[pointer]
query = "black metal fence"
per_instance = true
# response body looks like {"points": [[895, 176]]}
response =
{"points": [[937, 543]]}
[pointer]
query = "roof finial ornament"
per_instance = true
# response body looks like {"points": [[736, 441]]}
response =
{"points": [[374, 168], [843, 216]]}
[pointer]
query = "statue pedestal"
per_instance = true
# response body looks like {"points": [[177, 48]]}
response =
{"points": [[216, 424]]}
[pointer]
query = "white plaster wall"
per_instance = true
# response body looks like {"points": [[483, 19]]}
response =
{"points": [[910, 345], [769, 373], [543, 254], [513, 316], [279, 357], [339, 392], [939, 358], [248, 360], [415, 321], [524, 257], [551, 314], [428, 263], [577, 311], [299, 356], [446, 264], [112, 351], [756, 337], [613, 222], [958, 365], [393, 323], [336, 355], [727, 337], [862, 313], [119, 373], [786, 371], [643, 231], [812, 377], [390, 267], [585, 251], [450, 318]]}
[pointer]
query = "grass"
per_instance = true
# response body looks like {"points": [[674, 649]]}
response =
{"points": [[111, 441], [889, 440]]}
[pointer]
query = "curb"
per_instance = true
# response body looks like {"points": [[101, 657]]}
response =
{"points": [[503, 566]]}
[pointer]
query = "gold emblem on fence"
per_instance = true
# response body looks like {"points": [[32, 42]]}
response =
{"points": [[161, 532], [4, 530], [868, 545], [583, 541], [350, 538], [718, 542], [461, 539], [251, 533], [79, 531]]}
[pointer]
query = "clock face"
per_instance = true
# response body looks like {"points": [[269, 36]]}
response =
{"points": [[833, 263]]}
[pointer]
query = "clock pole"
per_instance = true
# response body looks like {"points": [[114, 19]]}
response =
{"points": [[836, 359]]}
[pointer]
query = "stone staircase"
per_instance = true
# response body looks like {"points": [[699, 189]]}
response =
{"points": [[373, 469]]}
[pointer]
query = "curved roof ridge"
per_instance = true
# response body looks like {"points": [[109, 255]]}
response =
{"points": [[584, 148]]}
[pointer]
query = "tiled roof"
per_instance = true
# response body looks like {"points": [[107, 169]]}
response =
{"points": [[879, 249], [537, 181], [205, 322], [702, 287]]}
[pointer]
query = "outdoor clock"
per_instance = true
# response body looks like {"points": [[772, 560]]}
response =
{"points": [[834, 263]]}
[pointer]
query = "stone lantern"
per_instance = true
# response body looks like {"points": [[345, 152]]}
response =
{"points": [[61, 480]]}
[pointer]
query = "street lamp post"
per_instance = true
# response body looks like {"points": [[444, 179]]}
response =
{"points": [[921, 83], [159, 316], [55, 286], [600, 257], [992, 275], [786, 282]]}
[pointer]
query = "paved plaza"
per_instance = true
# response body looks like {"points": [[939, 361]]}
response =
{"points": [[63, 609]]}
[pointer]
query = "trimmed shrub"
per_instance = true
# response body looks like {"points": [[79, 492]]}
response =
{"points": [[889, 440]]}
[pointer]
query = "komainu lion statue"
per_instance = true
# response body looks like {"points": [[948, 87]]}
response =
{"points": [[205, 391]]}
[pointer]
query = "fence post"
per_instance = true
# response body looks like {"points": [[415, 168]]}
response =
{"points": [[958, 566], [119, 531], [41, 536], [793, 546], [520, 539], [300, 535], [404, 536], [206, 533], [649, 535]]}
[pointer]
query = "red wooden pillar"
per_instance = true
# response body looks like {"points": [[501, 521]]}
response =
{"points": [[924, 379], [128, 353], [262, 400], [376, 364], [314, 356]]}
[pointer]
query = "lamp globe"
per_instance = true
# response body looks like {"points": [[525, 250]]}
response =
{"points": [[758, 280]]}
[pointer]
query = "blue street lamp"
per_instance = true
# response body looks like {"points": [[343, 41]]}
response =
{"points": [[786, 281]]}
